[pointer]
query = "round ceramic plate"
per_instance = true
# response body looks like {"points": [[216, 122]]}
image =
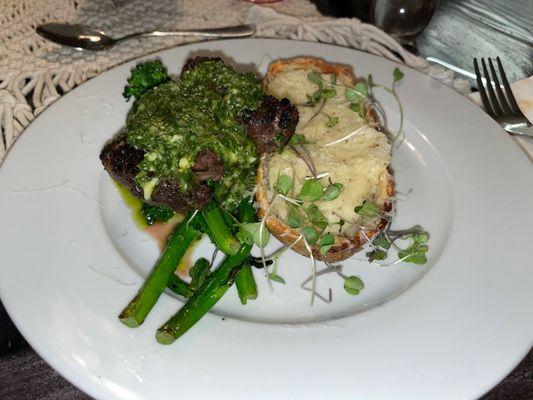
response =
{"points": [[452, 328]]}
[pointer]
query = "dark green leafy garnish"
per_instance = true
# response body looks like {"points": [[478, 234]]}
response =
{"points": [[154, 214]]}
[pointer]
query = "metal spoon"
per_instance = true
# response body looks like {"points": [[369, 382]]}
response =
{"points": [[85, 37]]}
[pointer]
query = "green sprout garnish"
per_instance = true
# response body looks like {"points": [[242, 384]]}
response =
{"points": [[325, 243], [293, 217], [298, 139], [353, 285], [316, 217], [368, 209], [332, 121], [251, 233], [332, 191], [311, 235], [311, 190], [273, 275], [283, 184], [397, 74]]}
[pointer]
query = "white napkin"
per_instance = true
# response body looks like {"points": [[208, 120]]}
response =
{"points": [[523, 92]]}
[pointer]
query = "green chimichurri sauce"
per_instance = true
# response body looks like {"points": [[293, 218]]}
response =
{"points": [[177, 119]]}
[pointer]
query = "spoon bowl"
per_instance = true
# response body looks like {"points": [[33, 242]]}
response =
{"points": [[75, 35]]}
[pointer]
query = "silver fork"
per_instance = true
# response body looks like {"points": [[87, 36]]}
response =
{"points": [[499, 106]]}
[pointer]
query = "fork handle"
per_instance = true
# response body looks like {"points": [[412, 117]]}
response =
{"points": [[521, 131]]}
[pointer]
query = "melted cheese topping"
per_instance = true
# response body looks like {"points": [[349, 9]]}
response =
{"points": [[351, 153]]}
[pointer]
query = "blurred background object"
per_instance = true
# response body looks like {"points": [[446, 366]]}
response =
{"points": [[461, 30]]}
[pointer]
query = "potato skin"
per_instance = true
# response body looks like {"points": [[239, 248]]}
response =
{"points": [[343, 247]]}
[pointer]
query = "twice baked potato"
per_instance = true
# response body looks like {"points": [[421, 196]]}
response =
{"points": [[339, 144]]}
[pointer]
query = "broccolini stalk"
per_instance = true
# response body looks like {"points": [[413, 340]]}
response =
{"points": [[218, 231], [214, 287], [178, 242]]}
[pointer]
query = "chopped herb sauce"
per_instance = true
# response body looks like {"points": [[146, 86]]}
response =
{"points": [[177, 119]]}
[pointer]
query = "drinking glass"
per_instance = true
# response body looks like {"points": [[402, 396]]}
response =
{"points": [[402, 19]]}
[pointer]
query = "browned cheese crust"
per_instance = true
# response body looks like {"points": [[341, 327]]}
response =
{"points": [[343, 247]]}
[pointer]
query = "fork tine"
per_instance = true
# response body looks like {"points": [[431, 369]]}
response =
{"points": [[482, 92], [510, 95], [501, 97], [490, 90]]}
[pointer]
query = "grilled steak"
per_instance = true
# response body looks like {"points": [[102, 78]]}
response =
{"points": [[270, 127], [121, 160]]}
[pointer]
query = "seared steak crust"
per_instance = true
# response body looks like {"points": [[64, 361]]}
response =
{"points": [[121, 160], [272, 125]]}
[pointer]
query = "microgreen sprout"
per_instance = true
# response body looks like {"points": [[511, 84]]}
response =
{"points": [[298, 138], [274, 274], [325, 243], [283, 184], [249, 233], [313, 268], [332, 191], [367, 209], [310, 235], [311, 190], [316, 217], [353, 285], [332, 121], [414, 253]]}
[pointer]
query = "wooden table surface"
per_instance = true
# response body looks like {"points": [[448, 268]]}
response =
{"points": [[459, 30]]}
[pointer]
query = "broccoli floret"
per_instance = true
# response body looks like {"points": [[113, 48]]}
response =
{"points": [[145, 76]]}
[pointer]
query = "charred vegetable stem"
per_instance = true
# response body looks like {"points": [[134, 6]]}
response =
{"points": [[179, 286], [204, 298], [179, 241], [245, 282], [218, 231]]}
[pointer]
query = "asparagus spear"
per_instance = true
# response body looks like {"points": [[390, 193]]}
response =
{"points": [[178, 286], [204, 298], [178, 242], [244, 280], [218, 231]]}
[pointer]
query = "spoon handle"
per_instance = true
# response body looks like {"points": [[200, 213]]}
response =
{"points": [[228, 32]]}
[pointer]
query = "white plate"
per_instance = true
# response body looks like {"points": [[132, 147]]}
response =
{"points": [[72, 258]]}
